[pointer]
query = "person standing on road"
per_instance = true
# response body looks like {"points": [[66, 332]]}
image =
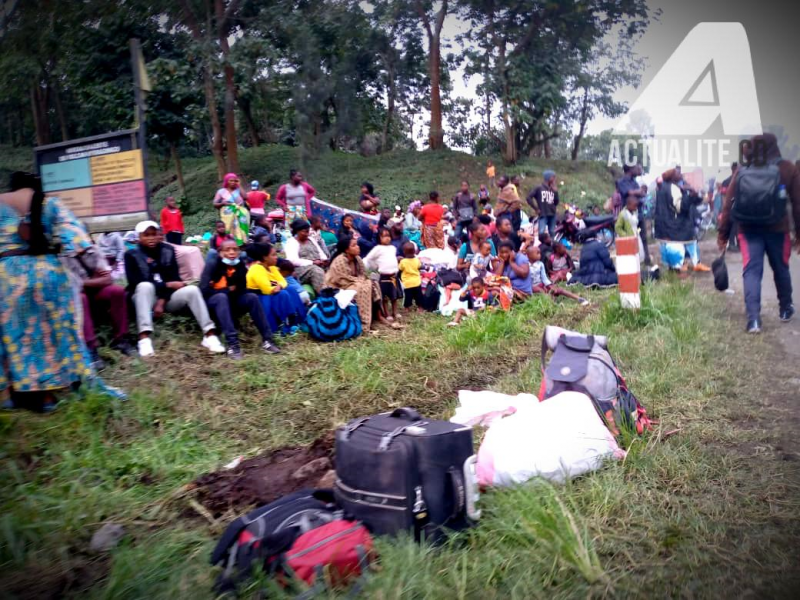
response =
{"points": [[465, 208], [769, 236], [546, 197]]}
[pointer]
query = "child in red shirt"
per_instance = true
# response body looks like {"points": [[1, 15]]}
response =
{"points": [[172, 222]]}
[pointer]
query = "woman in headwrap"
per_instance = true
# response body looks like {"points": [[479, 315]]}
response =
{"points": [[347, 272], [230, 203]]}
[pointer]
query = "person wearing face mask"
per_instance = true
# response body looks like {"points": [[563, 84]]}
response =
{"points": [[224, 286]]}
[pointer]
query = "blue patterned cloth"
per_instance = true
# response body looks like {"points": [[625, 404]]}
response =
{"points": [[41, 347]]}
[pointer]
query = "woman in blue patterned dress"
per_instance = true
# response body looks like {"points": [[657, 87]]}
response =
{"points": [[41, 348]]}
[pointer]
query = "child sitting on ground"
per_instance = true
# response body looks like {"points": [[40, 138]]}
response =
{"points": [[481, 262], [559, 265], [262, 230], [541, 284], [220, 235], [477, 297], [545, 246], [410, 275], [286, 269], [383, 259]]}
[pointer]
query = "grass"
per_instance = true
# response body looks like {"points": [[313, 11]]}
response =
{"points": [[696, 513]]}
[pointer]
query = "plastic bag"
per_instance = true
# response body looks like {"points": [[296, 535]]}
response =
{"points": [[557, 440]]}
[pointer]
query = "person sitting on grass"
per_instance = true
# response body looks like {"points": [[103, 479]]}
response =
{"points": [[306, 255], [545, 246], [409, 268], [560, 264], [286, 269], [477, 297], [347, 272], [516, 267], [155, 286], [282, 306], [541, 284], [322, 237], [220, 235], [224, 286], [262, 229], [596, 267], [481, 263], [383, 259]]}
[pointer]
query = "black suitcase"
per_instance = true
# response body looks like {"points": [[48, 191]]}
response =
{"points": [[399, 472]]}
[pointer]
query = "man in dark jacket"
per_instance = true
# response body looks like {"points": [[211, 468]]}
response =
{"points": [[772, 240], [674, 224], [155, 286], [546, 197], [465, 208]]}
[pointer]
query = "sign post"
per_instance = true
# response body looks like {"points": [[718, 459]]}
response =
{"points": [[100, 178]]}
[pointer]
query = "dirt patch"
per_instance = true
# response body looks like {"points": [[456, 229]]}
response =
{"points": [[265, 478], [43, 582]]}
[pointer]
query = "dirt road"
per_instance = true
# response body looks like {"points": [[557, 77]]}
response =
{"points": [[777, 351]]}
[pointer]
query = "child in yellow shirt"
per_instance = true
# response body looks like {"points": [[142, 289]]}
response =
{"points": [[409, 274], [282, 304]]}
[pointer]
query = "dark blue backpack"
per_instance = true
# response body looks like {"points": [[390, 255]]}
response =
{"points": [[327, 322]]}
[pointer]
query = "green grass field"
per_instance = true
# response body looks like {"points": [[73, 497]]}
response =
{"points": [[700, 508], [690, 513]]}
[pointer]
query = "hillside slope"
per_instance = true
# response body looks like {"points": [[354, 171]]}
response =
{"points": [[399, 177]]}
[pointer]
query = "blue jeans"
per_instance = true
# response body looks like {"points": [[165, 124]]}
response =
{"points": [[777, 247], [547, 223]]}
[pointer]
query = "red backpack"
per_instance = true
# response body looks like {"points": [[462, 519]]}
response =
{"points": [[338, 552]]}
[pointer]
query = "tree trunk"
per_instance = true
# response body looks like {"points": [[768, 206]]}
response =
{"points": [[39, 109], [252, 130], [547, 149], [62, 120], [391, 92], [176, 157], [576, 145], [216, 126], [436, 136], [230, 88], [488, 115]]}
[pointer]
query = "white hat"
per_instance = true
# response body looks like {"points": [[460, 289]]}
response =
{"points": [[254, 185], [143, 226]]}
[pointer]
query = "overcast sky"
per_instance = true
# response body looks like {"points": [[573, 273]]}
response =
{"points": [[771, 27]]}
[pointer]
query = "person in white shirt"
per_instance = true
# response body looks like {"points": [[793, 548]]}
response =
{"points": [[305, 254], [383, 259]]}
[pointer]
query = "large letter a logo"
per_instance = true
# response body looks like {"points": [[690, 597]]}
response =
{"points": [[708, 76]]}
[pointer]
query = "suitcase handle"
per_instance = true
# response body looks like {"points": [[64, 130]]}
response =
{"points": [[406, 413]]}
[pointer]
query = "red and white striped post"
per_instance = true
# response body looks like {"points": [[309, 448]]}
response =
{"points": [[628, 273]]}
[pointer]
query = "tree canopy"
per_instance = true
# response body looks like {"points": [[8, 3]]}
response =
{"points": [[319, 74]]}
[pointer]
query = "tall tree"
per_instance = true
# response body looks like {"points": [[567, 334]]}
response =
{"points": [[528, 50], [593, 87], [432, 23]]}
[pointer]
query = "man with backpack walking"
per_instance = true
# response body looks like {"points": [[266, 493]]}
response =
{"points": [[756, 200]]}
